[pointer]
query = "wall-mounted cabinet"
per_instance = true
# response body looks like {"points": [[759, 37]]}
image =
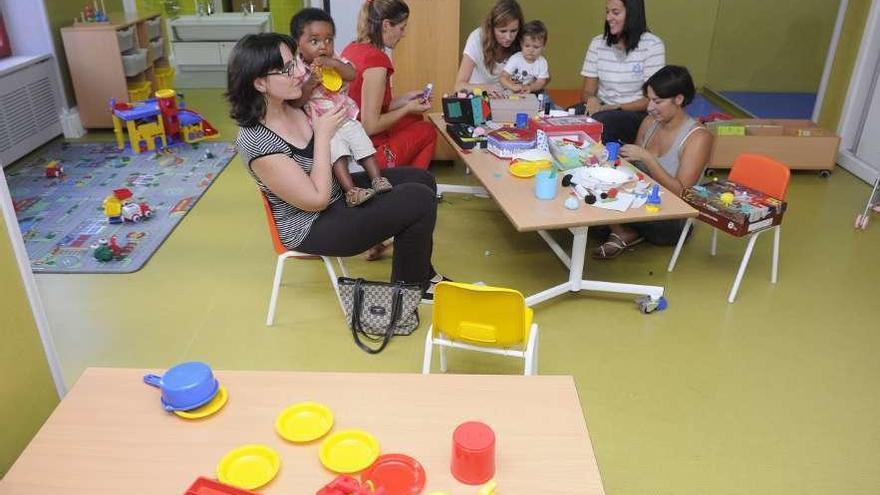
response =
{"points": [[107, 59]]}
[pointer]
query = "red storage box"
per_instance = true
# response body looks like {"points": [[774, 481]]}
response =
{"points": [[5, 48], [571, 123]]}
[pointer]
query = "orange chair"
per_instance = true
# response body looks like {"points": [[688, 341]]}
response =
{"points": [[763, 174], [284, 253]]}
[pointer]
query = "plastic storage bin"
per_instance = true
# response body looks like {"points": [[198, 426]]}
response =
{"points": [[164, 77], [125, 38], [139, 90], [134, 62], [157, 49], [154, 27]]}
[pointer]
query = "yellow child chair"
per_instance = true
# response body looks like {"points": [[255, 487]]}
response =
{"points": [[283, 254], [483, 319]]}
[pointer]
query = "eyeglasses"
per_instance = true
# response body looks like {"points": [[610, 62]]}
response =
{"points": [[286, 71]]}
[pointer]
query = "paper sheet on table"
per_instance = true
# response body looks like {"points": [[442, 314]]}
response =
{"points": [[622, 202]]}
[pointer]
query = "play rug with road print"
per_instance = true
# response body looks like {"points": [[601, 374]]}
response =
{"points": [[63, 216]]}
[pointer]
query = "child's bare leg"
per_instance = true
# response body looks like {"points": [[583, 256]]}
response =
{"points": [[380, 184], [340, 170], [353, 195]]}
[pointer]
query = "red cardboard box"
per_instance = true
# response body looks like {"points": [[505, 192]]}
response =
{"points": [[571, 123], [747, 211]]}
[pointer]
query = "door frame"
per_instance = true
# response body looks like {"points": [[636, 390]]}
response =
{"points": [[861, 87], [30, 285]]}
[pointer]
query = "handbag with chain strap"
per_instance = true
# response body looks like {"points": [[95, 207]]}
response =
{"points": [[376, 311]]}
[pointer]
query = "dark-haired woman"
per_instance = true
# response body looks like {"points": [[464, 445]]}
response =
{"points": [[617, 64], [672, 148], [290, 161], [395, 125]]}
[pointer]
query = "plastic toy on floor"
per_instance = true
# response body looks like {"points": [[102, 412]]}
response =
{"points": [[873, 204], [54, 169], [120, 208], [158, 122], [110, 250]]}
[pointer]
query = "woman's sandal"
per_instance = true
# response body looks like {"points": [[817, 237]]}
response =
{"points": [[381, 185], [358, 195], [377, 252], [613, 247]]}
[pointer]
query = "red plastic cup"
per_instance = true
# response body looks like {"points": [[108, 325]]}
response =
{"points": [[473, 453]]}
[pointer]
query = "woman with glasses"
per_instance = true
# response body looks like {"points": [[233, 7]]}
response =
{"points": [[395, 125], [289, 158]]}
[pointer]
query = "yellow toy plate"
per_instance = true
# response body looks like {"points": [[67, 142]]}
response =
{"points": [[349, 451], [208, 409], [330, 79], [248, 466], [527, 169], [304, 422]]}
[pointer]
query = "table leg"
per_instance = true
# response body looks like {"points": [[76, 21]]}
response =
{"points": [[576, 281], [457, 189]]}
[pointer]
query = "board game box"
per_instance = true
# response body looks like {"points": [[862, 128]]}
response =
{"points": [[734, 208]]}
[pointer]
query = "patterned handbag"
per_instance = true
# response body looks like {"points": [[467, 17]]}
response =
{"points": [[377, 311]]}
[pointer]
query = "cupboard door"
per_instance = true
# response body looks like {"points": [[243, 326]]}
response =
{"points": [[194, 53], [429, 51]]}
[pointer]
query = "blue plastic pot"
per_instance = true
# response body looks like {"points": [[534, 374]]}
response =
{"points": [[185, 386]]}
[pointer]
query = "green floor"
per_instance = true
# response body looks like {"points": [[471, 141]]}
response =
{"points": [[774, 394]]}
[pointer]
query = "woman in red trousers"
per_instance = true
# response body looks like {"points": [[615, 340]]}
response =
{"points": [[395, 125]]}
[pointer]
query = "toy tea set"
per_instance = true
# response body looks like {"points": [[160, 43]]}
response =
{"points": [[191, 391]]}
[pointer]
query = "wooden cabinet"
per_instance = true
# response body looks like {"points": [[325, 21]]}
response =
{"points": [[429, 53], [95, 55]]}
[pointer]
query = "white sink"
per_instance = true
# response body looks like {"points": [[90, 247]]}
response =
{"points": [[226, 26]]}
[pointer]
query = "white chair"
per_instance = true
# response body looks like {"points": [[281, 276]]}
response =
{"points": [[284, 254], [483, 319], [761, 173]]}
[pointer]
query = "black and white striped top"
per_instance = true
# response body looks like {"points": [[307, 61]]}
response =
{"points": [[258, 141]]}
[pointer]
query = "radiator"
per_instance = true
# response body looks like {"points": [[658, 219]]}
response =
{"points": [[29, 109]]}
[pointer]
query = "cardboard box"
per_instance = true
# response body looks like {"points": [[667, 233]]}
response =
{"points": [[571, 123], [504, 110], [799, 144], [744, 211]]}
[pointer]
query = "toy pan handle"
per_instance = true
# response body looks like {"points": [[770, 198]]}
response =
{"points": [[154, 380]]}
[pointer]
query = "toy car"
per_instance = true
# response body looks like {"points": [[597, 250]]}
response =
{"points": [[135, 212]]}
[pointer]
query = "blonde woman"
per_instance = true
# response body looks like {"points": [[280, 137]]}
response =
{"points": [[395, 125]]}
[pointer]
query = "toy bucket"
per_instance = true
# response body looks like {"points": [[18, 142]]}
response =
{"points": [[473, 453], [613, 149], [185, 386]]}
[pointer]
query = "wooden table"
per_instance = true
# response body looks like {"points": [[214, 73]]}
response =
{"points": [[110, 435], [517, 200]]}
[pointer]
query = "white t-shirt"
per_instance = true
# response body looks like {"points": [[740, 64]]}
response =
{"points": [[621, 75], [524, 72], [473, 48]]}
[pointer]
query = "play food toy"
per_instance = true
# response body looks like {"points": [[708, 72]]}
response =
{"points": [[398, 474], [349, 451], [185, 386], [208, 409], [248, 466], [304, 422]]}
